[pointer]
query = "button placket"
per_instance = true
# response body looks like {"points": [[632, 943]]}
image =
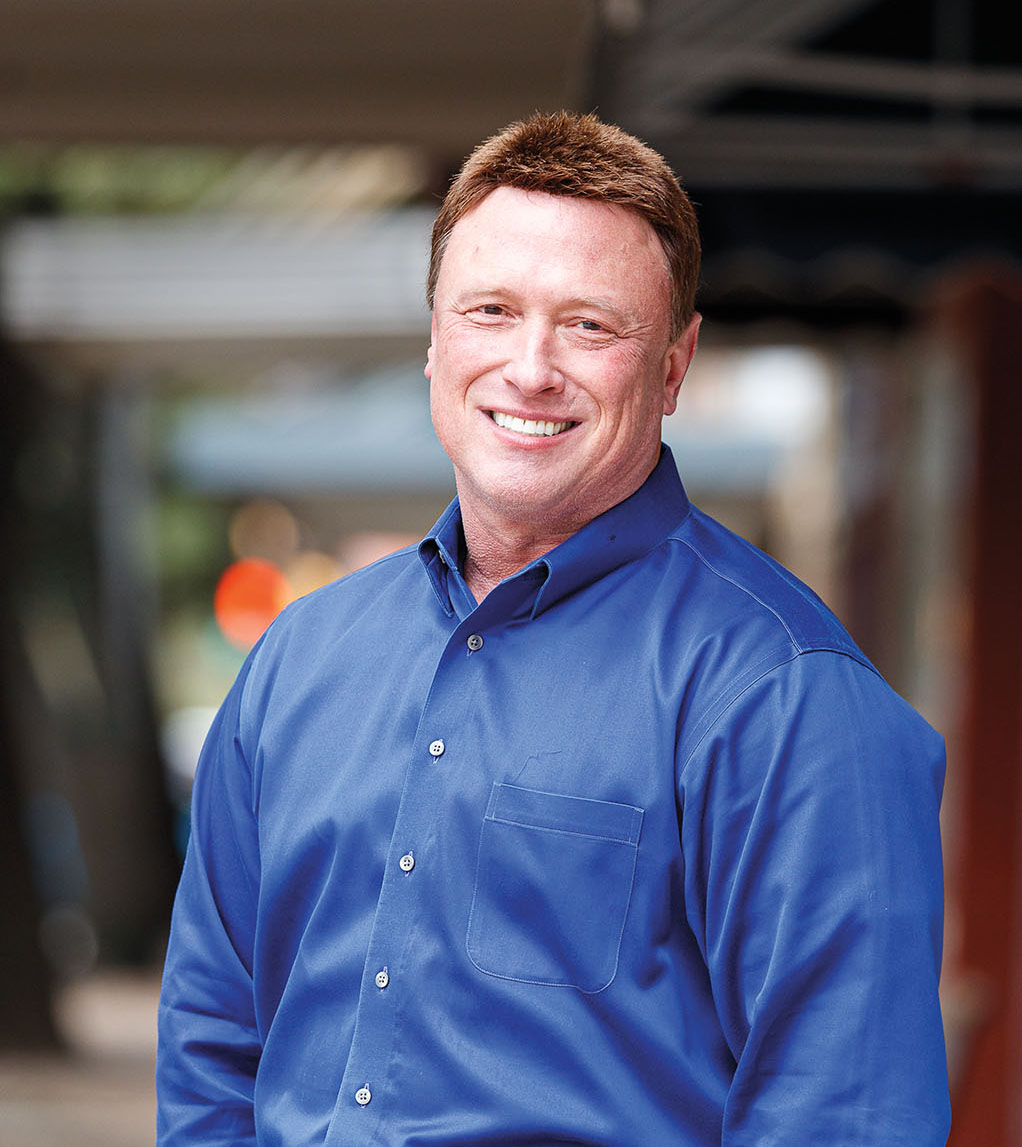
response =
{"points": [[393, 938]]}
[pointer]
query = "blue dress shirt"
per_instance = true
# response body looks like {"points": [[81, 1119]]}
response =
{"points": [[639, 851]]}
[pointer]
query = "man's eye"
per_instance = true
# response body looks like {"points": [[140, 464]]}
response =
{"points": [[491, 309], [591, 325]]}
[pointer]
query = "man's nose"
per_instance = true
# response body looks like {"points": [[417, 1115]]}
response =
{"points": [[532, 365]]}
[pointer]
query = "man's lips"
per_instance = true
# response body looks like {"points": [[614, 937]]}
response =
{"points": [[532, 427]]}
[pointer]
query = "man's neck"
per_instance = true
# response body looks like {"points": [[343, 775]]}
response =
{"points": [[499, 544], [494, 554]]}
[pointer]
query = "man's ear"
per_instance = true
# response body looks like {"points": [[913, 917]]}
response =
{"points": [[679, 355], [428, 369]]}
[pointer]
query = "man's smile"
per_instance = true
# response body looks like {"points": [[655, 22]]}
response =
{"points": [[534, 427]]}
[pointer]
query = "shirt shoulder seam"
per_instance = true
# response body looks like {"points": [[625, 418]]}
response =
{"points": [[701, 557], [763, 668]]}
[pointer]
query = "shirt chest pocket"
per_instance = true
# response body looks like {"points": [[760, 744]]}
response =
{"points": [[552, 888]]}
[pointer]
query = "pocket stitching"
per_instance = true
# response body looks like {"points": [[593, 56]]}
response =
{"points": [[632, 844], [562, 831], [504, 789]]}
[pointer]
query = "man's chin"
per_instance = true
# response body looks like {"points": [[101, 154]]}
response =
{"points": [[539, 508]]}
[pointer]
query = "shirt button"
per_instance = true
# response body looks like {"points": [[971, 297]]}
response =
{"points": [[475, 642], [363, 1095], [382, 978], [437, 748], [407, 862]]}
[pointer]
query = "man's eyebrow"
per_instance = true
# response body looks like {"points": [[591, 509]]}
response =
{"points": [[599, 303], [481, 291]]}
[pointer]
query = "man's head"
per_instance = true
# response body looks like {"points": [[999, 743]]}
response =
{"points": [[564, 268], [580, 157]]}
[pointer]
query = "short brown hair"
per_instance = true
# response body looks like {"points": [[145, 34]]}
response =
{"points": [[581, 157]]}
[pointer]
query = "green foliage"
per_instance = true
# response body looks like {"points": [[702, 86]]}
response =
{"points": [[37, 179]]}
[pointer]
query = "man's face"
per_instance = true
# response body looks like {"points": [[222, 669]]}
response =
{"points": [[551, 364]]}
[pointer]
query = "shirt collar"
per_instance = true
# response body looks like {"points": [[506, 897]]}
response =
{"points": [[621, 534]]}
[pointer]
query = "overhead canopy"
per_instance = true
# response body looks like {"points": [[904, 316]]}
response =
{"points": [[792, 93], [441, 74], [896, 94]]}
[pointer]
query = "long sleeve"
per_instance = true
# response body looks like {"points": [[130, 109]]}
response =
{"points": [[209, 1045], [812, 841]]}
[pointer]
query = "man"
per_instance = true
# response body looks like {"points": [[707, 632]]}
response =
{"points": [[582, 821]]}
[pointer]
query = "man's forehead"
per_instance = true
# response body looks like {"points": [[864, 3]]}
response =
{"points": [[509, 217], [506, 199]]}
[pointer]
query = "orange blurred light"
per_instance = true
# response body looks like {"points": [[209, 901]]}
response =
{"points": [[249, 595]]}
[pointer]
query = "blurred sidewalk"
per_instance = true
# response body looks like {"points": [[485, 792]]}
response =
{"points": [[100, 1094]]}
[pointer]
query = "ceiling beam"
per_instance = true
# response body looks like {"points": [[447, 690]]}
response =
{"points": [[441, 74], [937, 84]]}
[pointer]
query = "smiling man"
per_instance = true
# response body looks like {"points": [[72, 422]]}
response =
{"points": [[582, 821], [554, 358]]}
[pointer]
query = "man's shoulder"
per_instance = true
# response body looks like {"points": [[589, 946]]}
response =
{"points": [[379, 590], [748, 584]]}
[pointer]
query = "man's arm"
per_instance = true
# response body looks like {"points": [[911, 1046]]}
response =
{"points": [[819, 866], [209, 1045]]}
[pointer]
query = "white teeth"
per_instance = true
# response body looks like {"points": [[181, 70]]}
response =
{"points": [[529, 426]]}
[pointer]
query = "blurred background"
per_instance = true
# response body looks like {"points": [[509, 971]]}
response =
{"points": [[214, 217]]}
